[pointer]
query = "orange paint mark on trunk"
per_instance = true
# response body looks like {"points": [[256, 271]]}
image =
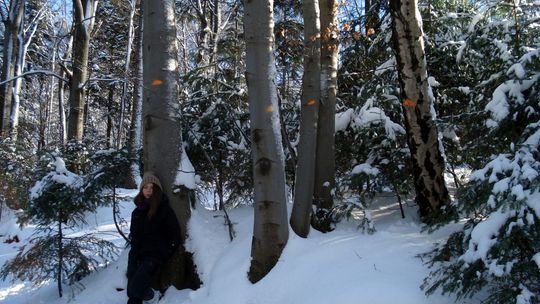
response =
{"points": [[409, 103], [157, 82], [269, 109]]}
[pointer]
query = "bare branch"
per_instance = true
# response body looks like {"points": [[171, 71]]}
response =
{"points": [[43, 72]]}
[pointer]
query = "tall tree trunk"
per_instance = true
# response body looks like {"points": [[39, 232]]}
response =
{"points": [[270, 229], [61, 110], [309, 111], [127, 65], [203, 38], [325, 165], [24, 38], [62, 123], [12, 26], [134, 135], [83, 16], [422, 135], [109, 129], [51, 93], [60, 258], [162, 138]]}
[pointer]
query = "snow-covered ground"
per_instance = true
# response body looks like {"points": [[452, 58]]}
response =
{"points": [[344, 266]]}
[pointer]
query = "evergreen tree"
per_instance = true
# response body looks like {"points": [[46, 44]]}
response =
{"points": [[497, 250], [59, 203]]}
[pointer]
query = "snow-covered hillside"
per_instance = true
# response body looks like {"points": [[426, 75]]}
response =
{"points": [[344, 266]]}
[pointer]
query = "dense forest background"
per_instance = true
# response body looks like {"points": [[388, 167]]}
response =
{"points": [[483, 63]]}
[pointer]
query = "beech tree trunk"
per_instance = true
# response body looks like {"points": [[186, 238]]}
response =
{"points": [[417, 100], [270, 229], [12, 25], [325, 164], [162, 133], [311, 83], [83, 17]]}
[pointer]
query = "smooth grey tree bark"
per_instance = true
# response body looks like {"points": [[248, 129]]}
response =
{"points": [[418, 108], [84, 19], [162, 131], [309, 111], [270, 228], [325, 164], [12, 24]]}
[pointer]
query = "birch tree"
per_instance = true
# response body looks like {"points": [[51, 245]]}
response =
{"points": [[134, 134], [305, 170], [162, 130], [129, 47], [270, 229], [325, 163], [418, 108], [83, 18]]}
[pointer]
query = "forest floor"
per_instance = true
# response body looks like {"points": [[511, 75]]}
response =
{"points": [[344, 266]]}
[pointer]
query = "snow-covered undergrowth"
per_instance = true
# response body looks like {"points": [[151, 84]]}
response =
{"points": [[344, 266]]}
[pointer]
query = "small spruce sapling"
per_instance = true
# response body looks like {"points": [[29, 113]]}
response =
{"points": [[57, 205]]}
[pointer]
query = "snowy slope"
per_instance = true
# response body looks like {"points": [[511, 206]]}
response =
{"points": [[344, 266]]}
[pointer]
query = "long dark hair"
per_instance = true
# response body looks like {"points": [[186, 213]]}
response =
{"points": [[155, 199]]}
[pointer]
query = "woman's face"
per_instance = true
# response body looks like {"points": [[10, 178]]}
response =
{"points": [[148, 190]]}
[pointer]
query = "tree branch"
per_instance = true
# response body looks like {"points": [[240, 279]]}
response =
{"points": [[44, 72]]}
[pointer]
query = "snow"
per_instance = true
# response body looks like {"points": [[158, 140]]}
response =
{"points": [[518, 70], [388, 66], [365, 168], [343, 266], [482, 236], [509, 91], [343, 120], [536, 259], [370, 114], [60, 175], [185, 175]]}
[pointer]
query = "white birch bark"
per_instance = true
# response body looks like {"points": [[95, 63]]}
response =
{"points": [[422, 135], [127, 64]]}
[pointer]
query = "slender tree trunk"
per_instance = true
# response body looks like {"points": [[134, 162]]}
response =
{"points": [[61, 111], [51, 93], [162, 138], [62, 124], [110, 101], [83, 16], [309, 111], [24, 39], [127, 64], [203, 38], [270, 231], [134, 138], [325, 165], [12, 27], [422, 135], [60, 258]]}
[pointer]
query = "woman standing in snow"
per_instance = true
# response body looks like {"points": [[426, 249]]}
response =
{"points": [[155, 235]]}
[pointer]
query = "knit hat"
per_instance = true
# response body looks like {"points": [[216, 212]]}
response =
{"points": [[150, 177]]}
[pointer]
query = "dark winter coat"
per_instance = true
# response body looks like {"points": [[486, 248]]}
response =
{"points": [[155, 238]]}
